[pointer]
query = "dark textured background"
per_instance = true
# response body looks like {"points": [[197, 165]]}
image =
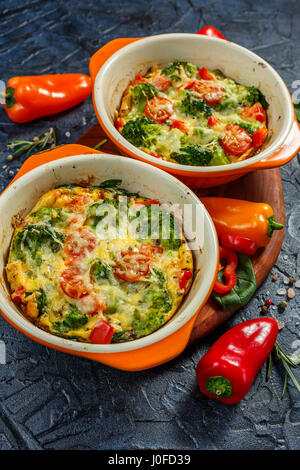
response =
{"points": [[50, 400]]}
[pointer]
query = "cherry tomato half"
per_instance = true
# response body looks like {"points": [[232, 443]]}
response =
{"points": [[179, 125], [80, 242], [211, 92], [161, 83], [91, 304], [236, 140], [255, 112], [150, 250], [72, 282], [132, 266], [259, 136], [159, 109]]}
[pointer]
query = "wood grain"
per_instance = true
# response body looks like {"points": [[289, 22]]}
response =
{"points": [[259, 186]]}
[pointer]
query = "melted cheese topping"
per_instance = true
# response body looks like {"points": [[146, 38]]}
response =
{"points": [[67, 276]]}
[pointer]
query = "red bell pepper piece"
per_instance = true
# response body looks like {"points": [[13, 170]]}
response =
{"points": [[241, 244], [147, 203], [258, 137], [102, 333], [212, 121], [226, 372], [229, 271], [17, 295], [211, 32], [205, 74], [184, 277]]}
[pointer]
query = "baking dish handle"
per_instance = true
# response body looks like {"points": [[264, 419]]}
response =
{"points": [[47, 156], [103, 54], [288, 150]]}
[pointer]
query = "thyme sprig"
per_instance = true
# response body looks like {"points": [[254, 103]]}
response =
{"points": [[288, 363], [46, 139]]}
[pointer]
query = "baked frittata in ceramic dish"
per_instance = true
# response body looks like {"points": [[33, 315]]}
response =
{"points": [[193, 116], [74, 274]]}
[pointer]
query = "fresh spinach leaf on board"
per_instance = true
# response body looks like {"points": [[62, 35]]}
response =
{"points": [[242, 291], [297, 111]]}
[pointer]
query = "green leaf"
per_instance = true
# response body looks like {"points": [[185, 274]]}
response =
{"points": [[242, 291], [109, 184], [297, 111]]}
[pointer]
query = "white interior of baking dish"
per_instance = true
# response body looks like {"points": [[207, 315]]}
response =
{"points": [[233, 60], [136, 176]]}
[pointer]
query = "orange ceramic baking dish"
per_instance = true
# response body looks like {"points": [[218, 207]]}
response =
{"points": [[118, 62], [73, 164]]}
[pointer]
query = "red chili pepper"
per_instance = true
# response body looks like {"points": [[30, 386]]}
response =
{"points": [[229, 271], [211, 32], [240, 244], [184, 277], [34, 96], [226, 372], [102, 333]]}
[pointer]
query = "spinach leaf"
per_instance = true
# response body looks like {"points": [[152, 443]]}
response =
{"points": [[242, 291]]}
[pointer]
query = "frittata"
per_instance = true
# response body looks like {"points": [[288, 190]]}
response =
{"points": [[193, 116], [76, 273]]}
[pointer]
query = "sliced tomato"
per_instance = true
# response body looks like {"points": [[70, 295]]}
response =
{"points": [[205, 74], [102, 333], [259, 136], [150, 250], [159, 109], [80, 242], [213, 121], [91, 304], [184, 277], [255, 112], [161, 82], [179, 125], [236, 140], [139, 79], [132, 266], [72, 282], [211, 92], [17, 295], [119, 123]]}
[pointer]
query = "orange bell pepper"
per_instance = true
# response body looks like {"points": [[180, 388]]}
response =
{"points": [[34, 96], [253, 220]]}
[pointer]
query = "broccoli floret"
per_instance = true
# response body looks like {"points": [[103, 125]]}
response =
{"points": [[141, 93], [156, 224], [141, 132], [174, 70], [93, 218], [73, 320], [194, 155], [100, 271], [250, 127], [219, 157], [254, 95], [196, 107], [50, 215], [32, 238]]}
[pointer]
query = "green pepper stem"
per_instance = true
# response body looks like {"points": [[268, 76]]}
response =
{"points": [[219, 386], [273, 225]]}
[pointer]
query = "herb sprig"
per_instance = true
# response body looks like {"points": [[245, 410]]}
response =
{"points": [[46, 139], [288, 363]]}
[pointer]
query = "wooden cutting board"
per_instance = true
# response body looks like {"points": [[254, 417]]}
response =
{"points": [[259, 186]]}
